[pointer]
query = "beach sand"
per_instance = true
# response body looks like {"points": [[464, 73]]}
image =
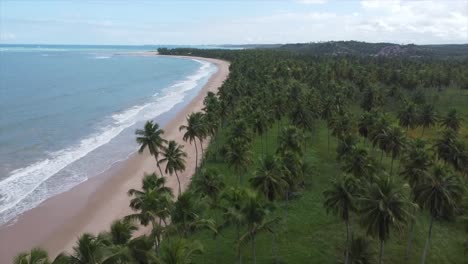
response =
{"points": [[92, 206]]}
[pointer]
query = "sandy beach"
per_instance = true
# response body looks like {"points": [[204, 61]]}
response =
{"points": [[92, 206]]}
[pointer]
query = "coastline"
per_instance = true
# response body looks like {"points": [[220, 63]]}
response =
{"points": [[91, 206]]}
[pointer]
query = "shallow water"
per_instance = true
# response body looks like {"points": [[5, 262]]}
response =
{"points": [[68, 113]]}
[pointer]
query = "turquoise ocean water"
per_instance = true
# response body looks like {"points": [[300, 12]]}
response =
{"points": [[67, 113]]}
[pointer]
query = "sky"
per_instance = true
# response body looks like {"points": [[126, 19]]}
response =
{"points": [[194, 22]]}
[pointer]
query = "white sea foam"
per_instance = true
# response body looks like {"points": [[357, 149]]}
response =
{"points": [[22, 182]]}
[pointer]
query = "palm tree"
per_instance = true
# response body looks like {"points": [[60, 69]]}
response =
{"points": [[359, 164], [179, 251], [416, 163], [340, 199], [194, 130], [327, 114], [141, 250], [360, 251], [186, 215], [290, 140], [392, 141], [440, 194], [381, 207], [151, 138], [34, 256], [346, 146], [452, 150], [366, 122], [341, 125], [209, 183], [90, 249], [260, 126], [174, 158], [427, 117], [233, 199], [152, 203], [238, 156], [269, 178], [408, 116], [255, 214], [121, 232], [452, 120], [39, 256]]}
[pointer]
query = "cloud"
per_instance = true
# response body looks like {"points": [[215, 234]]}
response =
{"points": [[7, 36], [311, 2]]}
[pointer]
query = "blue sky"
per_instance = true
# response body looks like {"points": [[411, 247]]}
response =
{"points": [[235, 22]]}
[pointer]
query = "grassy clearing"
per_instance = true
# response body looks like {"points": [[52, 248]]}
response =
{"points": [[307, 234]]}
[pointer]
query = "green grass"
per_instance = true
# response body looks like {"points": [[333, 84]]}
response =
{"points": [[307, 234]]}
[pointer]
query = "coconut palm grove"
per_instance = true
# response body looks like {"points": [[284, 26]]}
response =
{"points": [[315, 156]]}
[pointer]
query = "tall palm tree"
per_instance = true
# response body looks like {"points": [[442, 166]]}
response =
{"points": [[392, 141], [179, 251], [260, 126], [90, 249], [121, 232], [256, 216], [174, 157], [381, 207], [440, 194], [209, 183], [233, 201], [359, 164], [340, 199], [39, 256], [427, 117], [34, 256], [452, 120], [416, 163], [290, 140], [408, 116], [366, 122], [451, 150], [151, 204], [194, 130], [269, 178], [140, 249], [151, 138], [238, 156], [186, 215], [360, 251]]}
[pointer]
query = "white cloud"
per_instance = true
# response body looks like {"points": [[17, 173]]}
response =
{"points": [[311, 2], [6, 36]]}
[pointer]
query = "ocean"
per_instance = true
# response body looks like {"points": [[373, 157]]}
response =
{"points": [[67, 113]]}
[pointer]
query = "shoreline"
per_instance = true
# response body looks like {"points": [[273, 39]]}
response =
{"points": [[91, 206]]}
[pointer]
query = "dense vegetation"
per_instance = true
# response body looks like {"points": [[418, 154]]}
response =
{"points": [[313, 159], [359, 48]]}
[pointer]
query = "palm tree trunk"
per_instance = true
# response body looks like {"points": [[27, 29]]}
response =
{"points": [[274, 248], [196, 157], [381, 157], [391, 166], [410, 239], [277, 132], [201, 147], [347, 242], [428, 241], [159, 167], [261, 143], [253, 249], [177, 175], [238, 249], [328, 138], [381, 251]]}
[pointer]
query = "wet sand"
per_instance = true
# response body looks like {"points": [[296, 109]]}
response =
{"points": [[92, 206]]}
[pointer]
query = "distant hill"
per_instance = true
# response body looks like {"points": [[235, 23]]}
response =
{"points": [[337, 48]]}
